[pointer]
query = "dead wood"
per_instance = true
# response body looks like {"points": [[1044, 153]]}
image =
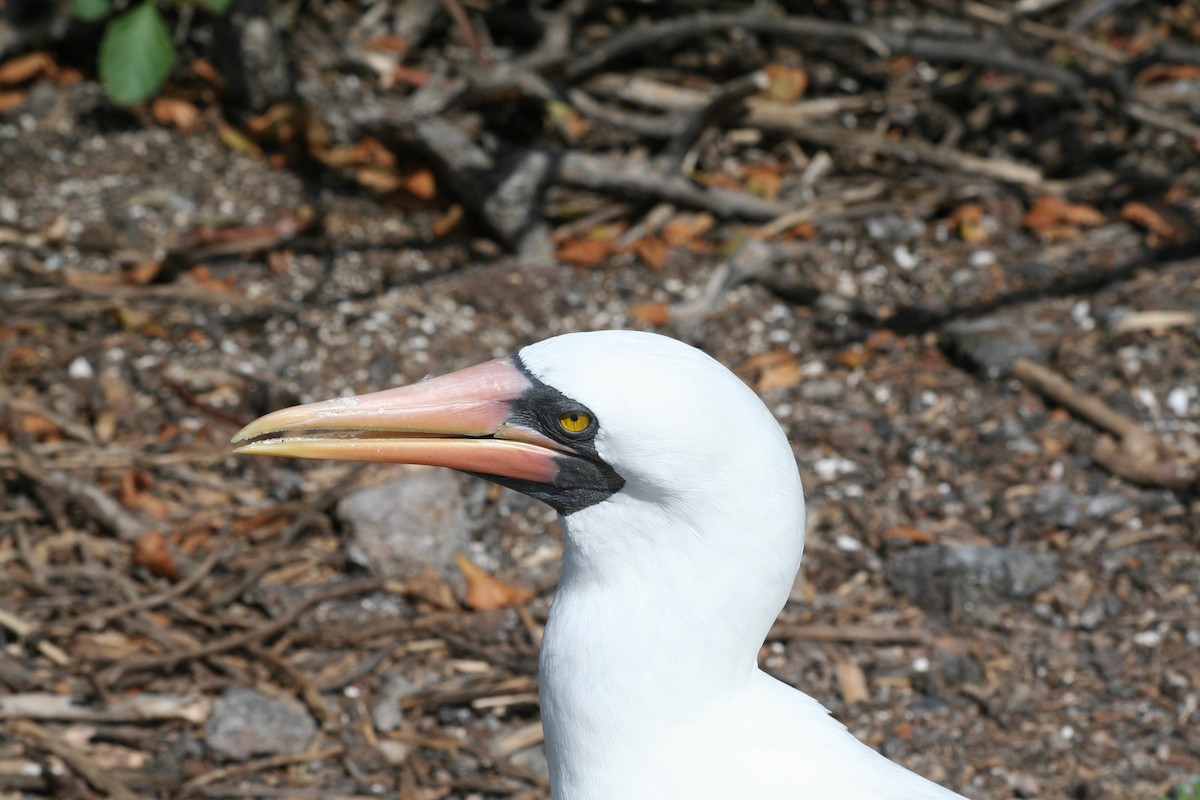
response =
{"points": [[1136, 454]]}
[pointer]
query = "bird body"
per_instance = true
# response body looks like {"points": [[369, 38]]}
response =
{"points": [[683, 527]]}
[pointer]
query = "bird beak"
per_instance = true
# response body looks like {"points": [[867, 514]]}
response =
{"points": [[460, 420]]}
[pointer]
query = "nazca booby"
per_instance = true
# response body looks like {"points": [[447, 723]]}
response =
{"points": [[683, 525]]}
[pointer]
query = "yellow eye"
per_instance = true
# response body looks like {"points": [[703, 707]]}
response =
{"points": [[574, 421]]}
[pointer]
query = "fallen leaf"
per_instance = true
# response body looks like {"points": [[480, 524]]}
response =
{"points": [[68, 76], [1053, 218], [368, 152], [965, 220], [40, 428], [135, 321], [652, 251], [237, 141], [909, 534], [587, 252], [718, 180], [134, 483], [1146, 217], [448, 221], [203, 69], [852, 682], [142, 273], [421, 184], [657, 314], [1168, 72], [485, 593], [11, 100], [179, 114], [777, 369], [788, 84], [25, 68], [763, 180], [410, 76], [388, 43], [152, 553], [379, 179], [685, 229], [567, 121], [853, 357]]}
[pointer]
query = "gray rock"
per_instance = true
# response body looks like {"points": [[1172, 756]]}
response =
{"points": [[993, 342], [247, 723], [386, 712], [969, 582], [411, 522]]}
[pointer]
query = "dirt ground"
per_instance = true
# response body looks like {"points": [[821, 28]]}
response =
{"points": [[953, 247]]}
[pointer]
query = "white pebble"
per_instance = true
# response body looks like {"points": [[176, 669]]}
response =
{"points": [[81, 368]]}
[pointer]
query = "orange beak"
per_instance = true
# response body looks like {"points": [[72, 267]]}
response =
{"points": [[461, 420]]}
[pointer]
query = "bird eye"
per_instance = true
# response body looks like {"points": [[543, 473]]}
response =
{"points": [[574, 421]]}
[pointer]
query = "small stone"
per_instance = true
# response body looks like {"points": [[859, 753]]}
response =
{"points": [[415, 521], [81, 369], [970, 582], [247, 723]]}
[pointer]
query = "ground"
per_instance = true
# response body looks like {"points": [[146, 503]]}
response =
{"points": [[953, 249]]}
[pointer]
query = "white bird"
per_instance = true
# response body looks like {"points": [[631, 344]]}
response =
{"points": [[683, 526]]}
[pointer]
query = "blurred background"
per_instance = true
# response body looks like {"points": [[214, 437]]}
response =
{"points": [[952, 245]]}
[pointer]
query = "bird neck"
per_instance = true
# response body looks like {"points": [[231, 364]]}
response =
{"points": [[655, 617]]}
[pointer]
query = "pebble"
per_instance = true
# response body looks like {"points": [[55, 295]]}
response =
{"points": [[247, 723], [416, 520]]}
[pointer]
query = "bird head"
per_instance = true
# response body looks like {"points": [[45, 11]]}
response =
{"points": [[622, 422]]}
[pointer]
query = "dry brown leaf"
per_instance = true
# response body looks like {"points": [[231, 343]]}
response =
{"points": [[1168, 72], [852, 682], [410, 76], [652, 251], [718, 180], [388, 43], [380, 179], [134, 321], [587, 252], [25, 68], [910, 534], [151, 552], [142, 273], [965, 221], [237, 141], [11, 100], [788, 84], [40, 428], [657, 314], [485, 593], [777, 369], [203, 277], [203, 69], [567, 121], [1146, 217], [853, 357], [1051, 217], [421, 184], [368, 152], [448, 221], [179, 114], [68, 76], [685, 229], [763, 180]]}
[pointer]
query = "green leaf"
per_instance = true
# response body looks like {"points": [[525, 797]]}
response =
{"points": [[91, 10], [215, 6], [136, 54]]}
